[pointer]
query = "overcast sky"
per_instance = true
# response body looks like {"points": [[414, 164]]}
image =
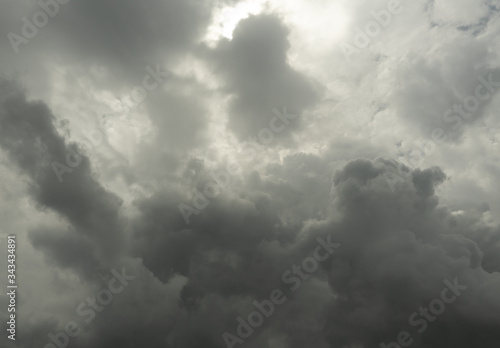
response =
{"points": [[166, 163]]}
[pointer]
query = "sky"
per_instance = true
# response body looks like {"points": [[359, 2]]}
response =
{"points": [[252, 173]]}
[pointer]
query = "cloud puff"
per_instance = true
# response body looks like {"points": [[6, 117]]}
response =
{"points": [[258, 76], [30, 138]]}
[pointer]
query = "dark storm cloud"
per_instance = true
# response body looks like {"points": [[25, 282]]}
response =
{"points": [[397, 248], [191, 281], [28, 135], [257, 73]]}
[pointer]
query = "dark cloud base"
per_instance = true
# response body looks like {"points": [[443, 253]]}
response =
{"points": [[397, 248]]}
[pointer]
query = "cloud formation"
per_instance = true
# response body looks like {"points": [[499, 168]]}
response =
{"points": [[93, 181]]}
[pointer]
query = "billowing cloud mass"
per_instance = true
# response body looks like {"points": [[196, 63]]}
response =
{"points": [[268, 173]]}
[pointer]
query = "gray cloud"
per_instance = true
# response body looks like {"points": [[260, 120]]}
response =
{"points": [[259, 77], [29, 137], [327, 175]]}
